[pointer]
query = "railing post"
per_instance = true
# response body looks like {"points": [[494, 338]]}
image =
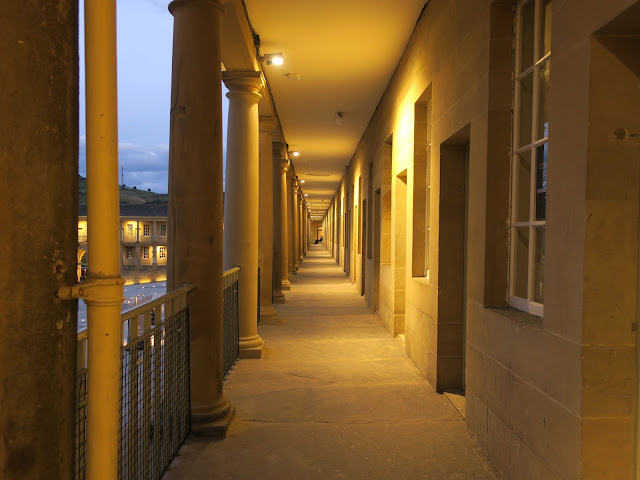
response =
{"points": [[103, 292]]}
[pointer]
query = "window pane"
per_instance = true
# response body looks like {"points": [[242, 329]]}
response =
{"points": [[523, 186], [538, 267], [543, 101], [521, 270], [544, 35], [527, 28], [526, 110], [541, 181]]}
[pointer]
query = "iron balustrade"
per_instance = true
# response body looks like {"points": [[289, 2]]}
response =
{"points": [[231, 327], [155, 410]]}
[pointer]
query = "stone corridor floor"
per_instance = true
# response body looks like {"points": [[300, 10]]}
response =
{"points": [[334, 397]]}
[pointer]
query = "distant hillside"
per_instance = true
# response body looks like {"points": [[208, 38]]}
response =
{"points": [[128, 195]]}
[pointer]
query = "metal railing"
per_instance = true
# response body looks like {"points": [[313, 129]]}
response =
{"points": [[231, 326], [155, 411]]}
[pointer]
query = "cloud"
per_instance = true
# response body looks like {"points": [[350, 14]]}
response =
{"points": [[143, 166]]}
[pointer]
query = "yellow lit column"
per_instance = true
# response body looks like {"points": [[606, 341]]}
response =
{"points": [[300, 200], [103, 289], [291, 205], [195, 202], [241, 201], [301, 206], [284, 210], [296, 225], [305, 231], [265, 223], [277, 156]]}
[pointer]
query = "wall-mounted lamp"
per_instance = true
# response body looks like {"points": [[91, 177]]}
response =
{"points": [[272, 58]]}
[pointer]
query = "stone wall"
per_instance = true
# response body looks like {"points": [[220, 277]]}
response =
{"points": [[546, 397]]}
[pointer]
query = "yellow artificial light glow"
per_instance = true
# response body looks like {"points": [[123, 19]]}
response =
{"points": [[301, 181], [273, 59], [295, 154]]}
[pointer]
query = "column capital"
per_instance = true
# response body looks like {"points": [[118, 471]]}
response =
{"points": [[267, 125], [284, 165], [173, 6], [280, 150], [242, 82]]}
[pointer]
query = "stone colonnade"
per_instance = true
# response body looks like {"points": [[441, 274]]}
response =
{"points": [[263, 222]]}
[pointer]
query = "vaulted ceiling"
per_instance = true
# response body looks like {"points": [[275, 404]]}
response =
{"points": [[339, 56]]}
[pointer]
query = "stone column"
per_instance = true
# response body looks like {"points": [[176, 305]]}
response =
{"points": [[278, 155], [241, 201], [285, 256], [39, 238], [195, 201], [296, 224], [291, 240], [301, 209], [268, 314]]}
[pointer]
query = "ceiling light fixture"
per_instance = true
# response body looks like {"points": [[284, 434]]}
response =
{"points": [[301, 181], [306, 194], [295, 154], [273, 58]]}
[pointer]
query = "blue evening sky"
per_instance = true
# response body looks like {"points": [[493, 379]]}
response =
{"points": [[145, 39]]}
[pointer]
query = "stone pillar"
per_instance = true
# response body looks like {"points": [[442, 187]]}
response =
{"points": [[301, 209], [284, 209], [278, 155], [296, 224], [195, 201], [39, 238], [241, 201], [291, 240], [265, 223]]}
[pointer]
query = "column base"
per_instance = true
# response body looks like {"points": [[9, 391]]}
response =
{"points": [[268, 315], [278, 296], [286, 285], [251, 347], [294, 271], [212, 421]]}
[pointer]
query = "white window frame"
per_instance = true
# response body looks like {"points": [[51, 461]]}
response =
{"points": [[129, 252], [163, 229], [427, 206], [146, 230], [526, 304], [162, 252], [145, 253]]}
